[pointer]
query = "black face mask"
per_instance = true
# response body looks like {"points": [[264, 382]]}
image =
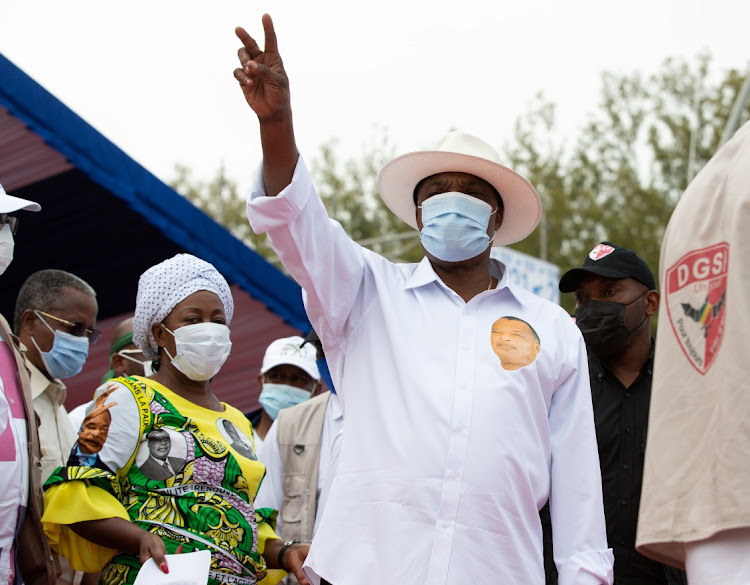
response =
{"points": [[602, 324]]}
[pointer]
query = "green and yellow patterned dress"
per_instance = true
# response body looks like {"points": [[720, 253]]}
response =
{"points": [[176, 469]]}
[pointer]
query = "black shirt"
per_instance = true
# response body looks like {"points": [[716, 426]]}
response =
{"points": [[621, 419]]}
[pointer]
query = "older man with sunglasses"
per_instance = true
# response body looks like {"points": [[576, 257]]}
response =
{"points": [[54, 317]]}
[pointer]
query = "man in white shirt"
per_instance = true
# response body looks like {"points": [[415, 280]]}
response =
{"points": [[448, 456]]}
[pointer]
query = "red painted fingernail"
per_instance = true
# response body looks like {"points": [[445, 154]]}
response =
{"points": [[179, 550], [164, 568]]}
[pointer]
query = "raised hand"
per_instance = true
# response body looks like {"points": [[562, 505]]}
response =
{"points": [[261, 75]]}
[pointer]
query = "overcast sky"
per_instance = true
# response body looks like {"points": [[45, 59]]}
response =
{"points": [[156, 77]]}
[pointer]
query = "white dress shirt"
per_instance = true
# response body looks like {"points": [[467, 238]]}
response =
{"points": [[448, 457], [271, 491]]}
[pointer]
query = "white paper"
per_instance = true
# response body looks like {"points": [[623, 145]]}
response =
{"points": [[185, 569]]}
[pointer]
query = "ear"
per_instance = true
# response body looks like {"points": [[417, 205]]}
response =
{"points": [[260, 381], [118, 364], [160, 334], [652, 302], [317, 389], [29, 321], [498, 218]]}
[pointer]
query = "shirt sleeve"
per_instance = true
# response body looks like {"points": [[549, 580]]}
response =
{"points": [[270, 493], [315, 249], [577, 509], [71, 502]]}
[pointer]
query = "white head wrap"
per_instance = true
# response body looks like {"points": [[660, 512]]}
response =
{"points": [[163, 286]]}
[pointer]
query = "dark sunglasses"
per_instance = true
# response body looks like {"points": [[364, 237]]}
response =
{"points": [[78, 329], [11, 220]]}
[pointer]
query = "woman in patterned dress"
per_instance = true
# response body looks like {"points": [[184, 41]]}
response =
{"points": [[154, 470]]}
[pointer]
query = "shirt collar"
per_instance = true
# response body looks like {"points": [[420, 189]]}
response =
{"points": [[597, 365], [424, 274], [40, 383]]}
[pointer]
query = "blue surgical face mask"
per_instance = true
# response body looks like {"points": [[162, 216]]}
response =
{"points": [[276, 397], [68, 353], [454, 226]]}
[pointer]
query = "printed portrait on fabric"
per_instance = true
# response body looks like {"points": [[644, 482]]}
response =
{"points": [[162, 454], [236, 438], [93, 433], [515, 342]]}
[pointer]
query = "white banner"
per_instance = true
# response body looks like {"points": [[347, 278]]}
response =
{"points": [[538, 276]]}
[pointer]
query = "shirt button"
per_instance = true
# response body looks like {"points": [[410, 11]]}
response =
{"points": [[627, 429], [626, 466], [444, 524], [466, 347], [627, 394], [460, 429], [453, 475], [623, 502]]}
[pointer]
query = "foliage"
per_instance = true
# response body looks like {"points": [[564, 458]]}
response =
{"points": [[621, 178]]}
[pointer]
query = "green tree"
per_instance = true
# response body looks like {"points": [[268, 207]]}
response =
{"points": [[625, 171]]}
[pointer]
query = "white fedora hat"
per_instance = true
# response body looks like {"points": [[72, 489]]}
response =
{"points": [[459, 152], [9, 204]]}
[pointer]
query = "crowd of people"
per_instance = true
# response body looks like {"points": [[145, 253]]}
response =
{"points": [[490, 437]]}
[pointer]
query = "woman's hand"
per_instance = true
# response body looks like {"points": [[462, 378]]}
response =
{"points": [[124, 536], [151, 546]]}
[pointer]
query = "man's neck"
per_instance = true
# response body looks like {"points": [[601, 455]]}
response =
{"points": [[264, 424], [466, 279], [627, 365]]}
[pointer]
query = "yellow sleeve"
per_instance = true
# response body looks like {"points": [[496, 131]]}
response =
{"points": [[265, 532], [72, 502]]}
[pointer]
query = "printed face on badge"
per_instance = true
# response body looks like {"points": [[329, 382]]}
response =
{"points": [[515, 342]]}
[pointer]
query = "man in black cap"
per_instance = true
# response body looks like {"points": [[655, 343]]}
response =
{"points": [[616, 297]]}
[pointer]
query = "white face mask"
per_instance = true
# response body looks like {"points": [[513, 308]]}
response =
{"points": [[147, 370], [201, 349], [6, 247]]}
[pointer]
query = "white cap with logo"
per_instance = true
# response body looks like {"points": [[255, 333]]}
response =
{"points": [[290, 350]]}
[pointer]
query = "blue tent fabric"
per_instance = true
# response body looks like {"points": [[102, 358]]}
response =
{"points": [[123, 189]]}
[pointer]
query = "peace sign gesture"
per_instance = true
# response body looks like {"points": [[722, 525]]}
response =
{"points": [[261, 75]]}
